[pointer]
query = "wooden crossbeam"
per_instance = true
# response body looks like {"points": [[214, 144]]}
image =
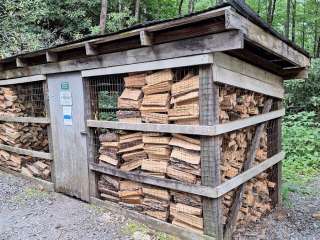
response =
{"points": [[32, 153], [251, 155]]}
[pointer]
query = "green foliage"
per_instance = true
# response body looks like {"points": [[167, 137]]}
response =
{"points": [[301, 134], [107, 103], [303, 95]]}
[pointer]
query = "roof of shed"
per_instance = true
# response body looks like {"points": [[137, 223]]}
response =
{"points": [[240, 8]]}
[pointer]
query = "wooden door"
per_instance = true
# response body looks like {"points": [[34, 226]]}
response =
{"points": [[68, 134]]}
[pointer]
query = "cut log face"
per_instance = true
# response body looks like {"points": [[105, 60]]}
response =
{"points": [[159, 77], [135, 81]]}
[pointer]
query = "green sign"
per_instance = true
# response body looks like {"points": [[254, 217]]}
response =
{"points": [[64, 86]]}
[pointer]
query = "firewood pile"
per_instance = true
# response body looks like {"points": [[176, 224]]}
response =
{"points": [[22, 135], [236, 104], [158, 98], [154, 98], [143, 198]]}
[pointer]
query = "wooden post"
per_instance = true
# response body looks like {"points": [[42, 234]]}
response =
{"points": [[276, 171], [49, 130], [210, 152], [93, 180]]}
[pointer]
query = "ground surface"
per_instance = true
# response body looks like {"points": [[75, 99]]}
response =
{"points": [[27, 212]]}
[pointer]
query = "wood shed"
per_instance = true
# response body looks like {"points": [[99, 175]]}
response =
{"points": [[175, 123]]}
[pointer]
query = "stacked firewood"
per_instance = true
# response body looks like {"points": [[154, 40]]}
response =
{"points": [[186, 211], [130, 100], [143, 198], [155, 104], [25, 164], [185, 100], [156, 146], [237, 103], [24, 135], [109, 146], [185, 159]]}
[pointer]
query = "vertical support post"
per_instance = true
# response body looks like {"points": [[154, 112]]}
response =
{"points": [[93, 181], [210, 152], [276, 170], [49, 130]]}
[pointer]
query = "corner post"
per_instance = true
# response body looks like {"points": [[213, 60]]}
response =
{"points": [[210, 151]]}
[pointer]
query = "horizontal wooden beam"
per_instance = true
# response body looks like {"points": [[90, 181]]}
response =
{"points": [[151, 127], [20, 80], [210, 43], [48, 186], [160, 182], [26, 152], [40, 120], [204, 191], [264, 39], [188, 129], [154, 65], [246, 122], [249, 174], [151, 222]]}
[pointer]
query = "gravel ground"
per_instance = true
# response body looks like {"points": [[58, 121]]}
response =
{"points": [[295, 221], [27, 212]]}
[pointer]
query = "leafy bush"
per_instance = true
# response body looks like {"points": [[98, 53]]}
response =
{"points": [[301, 135], [303, 95]]}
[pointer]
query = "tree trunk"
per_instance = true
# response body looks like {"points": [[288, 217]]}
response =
{"points": [[180, 7], [303, 25], [191, 6], [103, 16], [259, 7], [137, 10], [294, 11], [271, 9], [318, 49], [287, 23]]}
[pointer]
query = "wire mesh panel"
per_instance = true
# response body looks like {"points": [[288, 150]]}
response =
{"points": [[151, 97], [23, 100]]}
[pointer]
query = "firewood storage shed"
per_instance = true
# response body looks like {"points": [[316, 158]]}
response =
{"points": [[175, 123]]}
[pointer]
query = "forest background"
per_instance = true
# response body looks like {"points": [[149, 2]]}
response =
{"points": [[27, 25]]}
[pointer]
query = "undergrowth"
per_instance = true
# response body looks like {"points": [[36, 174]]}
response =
{"points": [[301, 142]]}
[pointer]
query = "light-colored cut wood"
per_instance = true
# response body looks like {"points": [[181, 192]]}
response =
{"points": [[154, 166]]}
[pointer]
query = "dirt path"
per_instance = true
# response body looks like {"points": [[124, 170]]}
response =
{"points": [[294, 221], [27, 213]]}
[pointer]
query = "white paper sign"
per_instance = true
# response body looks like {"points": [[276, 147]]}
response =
{"points": [[65, 98], [67, 115]]}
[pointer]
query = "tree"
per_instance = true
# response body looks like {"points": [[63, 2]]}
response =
{"points": [[137, 10], [103, 16], [271, 10]]}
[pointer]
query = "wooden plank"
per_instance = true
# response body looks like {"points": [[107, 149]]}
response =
{"points": [[238, 66], [48, 186], [151, 222], [264, 39], [249, 174], [27, 152], [200, 130], [150, 127], [20, 63], [90, 49], [153, 65], [246, 122], [210, 43], [251, 155], [166, 183], [210, 152], [51, 57], [241, 81], [6, 118], [145, 38], [34, 78]]}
